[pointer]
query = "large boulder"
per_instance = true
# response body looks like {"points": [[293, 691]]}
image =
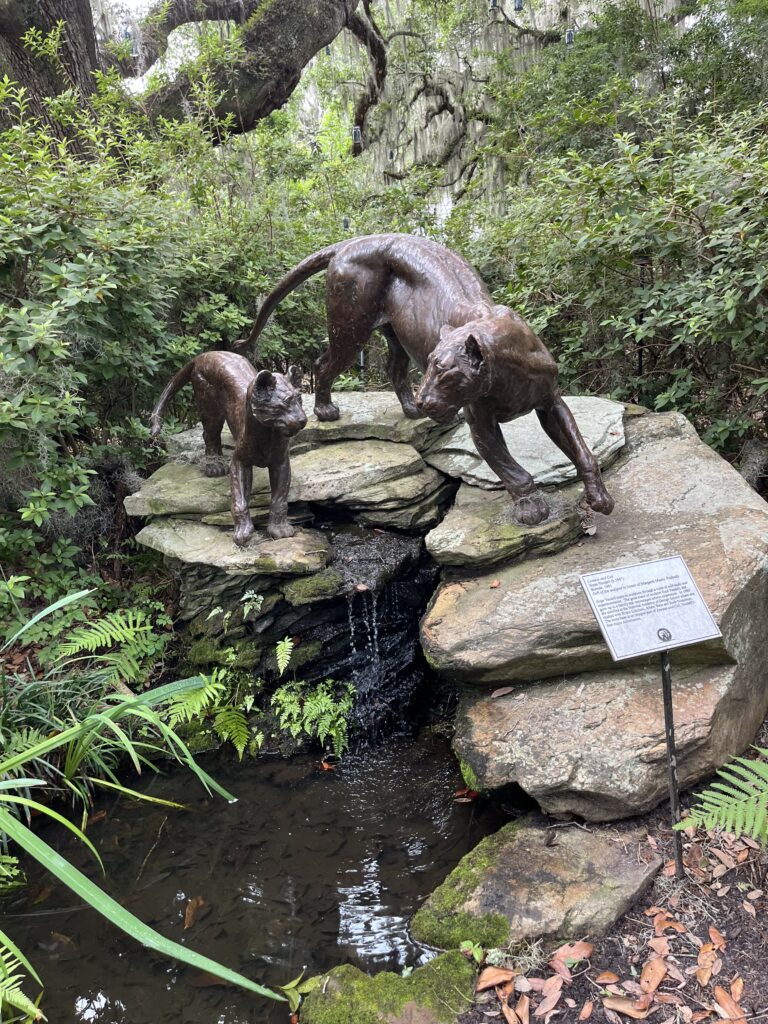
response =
{"points": [[578, 732], [600, 422], [437, 993], [525, 883]]}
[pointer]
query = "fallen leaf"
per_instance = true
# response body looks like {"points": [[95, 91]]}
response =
{"points": [[663, 921], [571, 1003], [326, 766], [660, 945], [755, 894], [509, 1014], [669, 998], [653, 973], [727, 1005], [495, 585], [523, 1009], [741, 856], [674, 972], [626, 1006], [205, 979], [574, 951], [490, 977], [700, 1015], [586, 1010], [559, 967], [718, 939], [99, 816], [653, 911], [705, 962], [522, 984], [752, 843], [749, 908], [502, 691], [729, 862], [723, 890], [607, 978], [192, 909], [737, 988], [537, 984], [552, 990]]}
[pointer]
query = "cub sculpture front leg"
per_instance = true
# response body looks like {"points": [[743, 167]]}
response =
{"points": [[240, 483], [280, 484]]}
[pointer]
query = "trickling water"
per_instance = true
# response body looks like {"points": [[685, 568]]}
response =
{"points": [[309, 867]]}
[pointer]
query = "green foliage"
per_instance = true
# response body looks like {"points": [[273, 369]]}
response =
{"points": [[739, 803], [283, 653], [11, 981], [317, 712], [122, 646]]}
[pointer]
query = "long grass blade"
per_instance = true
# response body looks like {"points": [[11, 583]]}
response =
{"points": [[61, 603]]}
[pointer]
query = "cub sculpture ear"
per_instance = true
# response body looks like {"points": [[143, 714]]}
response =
{"points": [[295, 376], [265, 381], [473, 351]]}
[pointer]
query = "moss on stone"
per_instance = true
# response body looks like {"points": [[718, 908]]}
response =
{"points": [[443, 987], [468, 774], [320, 586], [443, 921]]}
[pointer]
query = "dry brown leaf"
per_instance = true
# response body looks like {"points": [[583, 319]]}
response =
{"points": [[719, 871], [574, 951], [537, 984], [653, 973], [586, 1010], [737, 988], [705, 962], [723, 890], [522, 984], [700, 1015], [755, 894], [653, 911], [728, 1007], [570, 1002], [502, 691], [663, 921], [626, 1006], [724, 858], [509, 1014], [718, 939], [607, 978], [749, 909], [490, 977], [669, 998], [560, 967], [495, 585], [632, 988], [674, 972], [523, 1009], [552, 990], [741, 856], [192, 909], [660, 945]]}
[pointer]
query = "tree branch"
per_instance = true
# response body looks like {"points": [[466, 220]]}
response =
{"points": [[369, 34]]}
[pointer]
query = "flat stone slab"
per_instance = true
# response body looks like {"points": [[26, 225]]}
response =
{"points": [[365, 415], [674, 495], [192, 542], [437, 993], [600, 421], [480, 530], [519, 885], [354, 473], [594, 744]]}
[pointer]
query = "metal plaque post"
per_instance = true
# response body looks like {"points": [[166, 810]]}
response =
{"points": [[674, 790]]}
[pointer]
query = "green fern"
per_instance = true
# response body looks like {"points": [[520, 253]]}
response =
{"points": [[196, 702], [119, 645], [231, 724], [319, 712], [11, 981], [740, 803], [283, 653]]}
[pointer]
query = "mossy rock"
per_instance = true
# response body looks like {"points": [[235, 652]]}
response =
{"points": [[437, 993], [445, 921], [321, 586]]}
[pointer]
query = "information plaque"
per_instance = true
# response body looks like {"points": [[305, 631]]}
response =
{"points": [[648, 607]]}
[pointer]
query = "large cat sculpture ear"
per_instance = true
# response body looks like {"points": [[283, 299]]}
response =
{"points": [[265, 381], [473, 351], [295, 376]]}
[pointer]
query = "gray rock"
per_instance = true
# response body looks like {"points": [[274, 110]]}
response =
{"points": [[600, 422], [365, 415], [189, 541], [594, 744], [674, 495], [480, 529], [518, 885]]}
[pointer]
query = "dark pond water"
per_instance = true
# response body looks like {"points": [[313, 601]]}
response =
{"points": [[308, 868]]}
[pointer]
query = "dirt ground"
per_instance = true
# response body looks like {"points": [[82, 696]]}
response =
{"points": [[691, 950]]}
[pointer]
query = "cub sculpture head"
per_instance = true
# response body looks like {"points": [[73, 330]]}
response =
{"points": [[275, 401]]}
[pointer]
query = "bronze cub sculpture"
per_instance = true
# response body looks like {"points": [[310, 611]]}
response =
{"points": [[263, 411], [432, 307]]}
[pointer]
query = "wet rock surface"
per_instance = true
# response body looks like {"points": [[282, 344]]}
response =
{"points": [[525, 883], [600, 422]]}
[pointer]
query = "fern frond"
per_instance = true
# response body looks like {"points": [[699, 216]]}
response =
{"points": [[191, 704], [121, 627], [283, 653], [11, 981], [231, 724], [740, 803]]}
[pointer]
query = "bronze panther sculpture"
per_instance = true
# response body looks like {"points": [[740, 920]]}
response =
{"points": [[432, 307], [263, 410]]}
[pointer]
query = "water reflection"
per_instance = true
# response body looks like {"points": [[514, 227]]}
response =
{"points": [[309, 868]]}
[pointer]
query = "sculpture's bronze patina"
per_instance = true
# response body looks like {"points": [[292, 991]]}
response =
{"points": [[432, 306], [262, 410]]}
